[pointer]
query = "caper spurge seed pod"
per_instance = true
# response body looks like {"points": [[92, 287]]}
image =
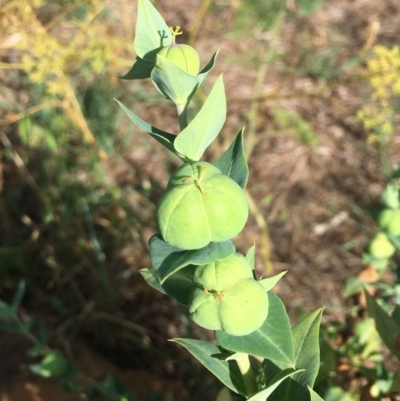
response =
{"points": [[201, 205]]}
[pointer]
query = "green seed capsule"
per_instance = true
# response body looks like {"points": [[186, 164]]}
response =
{"points": [[389, 220], [380, 247], [228, 298], [201, 205], [183, 56]]}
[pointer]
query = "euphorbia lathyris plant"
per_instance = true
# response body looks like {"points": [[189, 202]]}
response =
{"points": [[194, 260]]}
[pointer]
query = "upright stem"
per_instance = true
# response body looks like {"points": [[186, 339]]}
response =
{"points": [[182, 115], [247, 374]]}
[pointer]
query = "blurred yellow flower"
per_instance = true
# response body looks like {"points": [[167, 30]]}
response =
{"points": [[383, 74]]}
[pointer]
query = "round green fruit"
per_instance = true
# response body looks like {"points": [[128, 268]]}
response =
{"points": [[380, 247], [201, 205], [54, 364], [183, 56], [228, 298], [389, 220]]}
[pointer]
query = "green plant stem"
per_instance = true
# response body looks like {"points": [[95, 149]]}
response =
{"points": [[182, 115], [246, 370]]}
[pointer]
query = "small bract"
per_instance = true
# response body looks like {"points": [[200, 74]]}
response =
{"points": [[228, 298], [380, 246], [183, 56], [201, 205]]}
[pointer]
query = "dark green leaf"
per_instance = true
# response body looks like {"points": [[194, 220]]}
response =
{"points": [[273, 340], [306, 347], [151, 279], [19, 294], [227, 372], [180, 284], [386, 326], [141, 69], [205, 126], [167, 259], [152, 33], [233, 162], [314, 396], [173, 82], [276, 381]]}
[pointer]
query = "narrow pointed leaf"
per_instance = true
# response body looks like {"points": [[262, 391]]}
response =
{"points": [[306, 347], [151, 279], [173, 82], [233, 162], [167, 259], [270, 282], [19, 294], [387, 328], [226, 371], [163, 137], [180, 285], [276, 381], [204, 72], [314, 396], [152, 32], [273, 340], [250, 256], [141, 69], [202, 130]]}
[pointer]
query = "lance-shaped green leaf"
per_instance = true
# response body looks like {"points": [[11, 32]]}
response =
{"points": [[206, 353], [233, 162], [276, 381], [141, 69], [167, 259], [173, 82], [306, 347], [205, 126], [306, 356], [270, 282], [204, 72], [314, 396], [151, 279], [179, 285], [273, 340], [386, 326], [152, 33], [163, 137], [250, 256]]}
